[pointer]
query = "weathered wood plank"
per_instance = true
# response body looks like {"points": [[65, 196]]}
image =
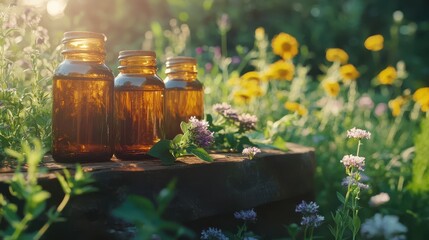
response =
{"points": [[203, 189]]}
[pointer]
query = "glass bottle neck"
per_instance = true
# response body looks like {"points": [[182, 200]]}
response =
{"points": [[145, 65], [137, 70], [85, 57], [84, 49], [186, 76]]}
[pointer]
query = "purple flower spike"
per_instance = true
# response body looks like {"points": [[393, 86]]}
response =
{"points": [[201, 136]]}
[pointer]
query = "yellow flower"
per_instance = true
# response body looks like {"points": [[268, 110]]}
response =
{"points": [[252, 89], [374, 43], [251, 76], [242, 97], [296, 107], [387, 76], [421, 96], [396, 105], [260, 33], [337, 55], [281, 70], [332, 88], [349, 72], [285, 45], [250, 82]]}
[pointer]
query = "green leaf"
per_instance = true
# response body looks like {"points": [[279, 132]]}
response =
{"points": [[40, 196], [161, 150], [209, 119], [280, 143], [230, 138], [185, 126], [177, 139], [356, 224], [63, 183], [200, 153], [165, 196], [10, 214], [136, 209], [38, 209], [341, 198]]}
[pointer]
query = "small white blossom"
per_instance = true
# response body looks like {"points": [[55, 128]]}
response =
{"points": [[358, 133], [387, 227], [379, 199], [353, 161], [213, 233], [246, 215], [250, 152]]}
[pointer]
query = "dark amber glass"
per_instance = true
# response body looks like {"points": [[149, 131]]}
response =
{"points": [[82, 101], [139, 105], [183, 94]]}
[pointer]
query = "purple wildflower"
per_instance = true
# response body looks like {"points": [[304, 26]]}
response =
{"points": [[312, 220], [201, 136], [221, 107], [235, 60], [358, 133], [246, 215], [231, 114], [213, 233], [250, 152], [199, 50], [247, 121], [208, 67], [353, 161], [250, 238], [217, 52], [307, 208], [351, 180], [224, 23], [226, 111], [365, 102], [380, 109]]}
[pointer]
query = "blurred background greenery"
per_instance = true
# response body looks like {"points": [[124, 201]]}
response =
{"points": [[319, 24]]}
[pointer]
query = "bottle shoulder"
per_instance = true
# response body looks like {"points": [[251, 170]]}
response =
{"points": [[83, 69], [138, 82], [182, 84]]}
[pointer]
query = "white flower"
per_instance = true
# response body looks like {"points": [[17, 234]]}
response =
{"points": [[353, 161], [379, 199], [250, 152], [358, 133], [387, 226]]}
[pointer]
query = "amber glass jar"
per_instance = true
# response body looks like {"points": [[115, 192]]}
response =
{"points": [[139, 105], [183, 94], [82, 101]]}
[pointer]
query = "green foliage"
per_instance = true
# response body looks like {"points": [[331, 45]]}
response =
{"points": [[148, 217], [24, 187], [182, 144], [420, 180], [26, 64]]}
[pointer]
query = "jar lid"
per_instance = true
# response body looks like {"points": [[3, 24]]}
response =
{"points": [[179, 60], [83, 34], [132, 53]]}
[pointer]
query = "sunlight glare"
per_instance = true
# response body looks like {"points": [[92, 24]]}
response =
{"points": [[35, 3], [56, 8]]}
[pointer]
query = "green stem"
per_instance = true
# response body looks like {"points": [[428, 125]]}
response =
{"points": [[224, 44], [305, 232], [60, 208], [19, 229], [358, 148], [394, 129], [311, 233], [352, 96]]}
